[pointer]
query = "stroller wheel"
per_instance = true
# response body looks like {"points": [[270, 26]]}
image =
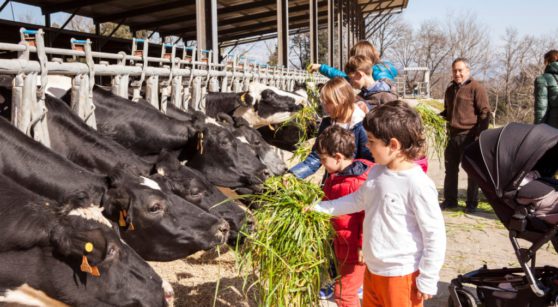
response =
{"points": [[465, 298]]}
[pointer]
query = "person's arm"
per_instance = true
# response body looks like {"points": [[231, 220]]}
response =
{"points": [[331, 72], [350, 203], [432, 230], [444, 112], [541, 99], [312, 163], [482, 110]]}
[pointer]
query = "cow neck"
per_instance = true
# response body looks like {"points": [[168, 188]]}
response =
{"points": [[86, 147], [41, 170]]}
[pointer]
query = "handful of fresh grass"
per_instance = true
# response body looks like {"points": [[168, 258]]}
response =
{"points": [[288, 250], [434, 128]]}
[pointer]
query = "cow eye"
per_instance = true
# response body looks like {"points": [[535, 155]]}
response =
{"points": [[155, 207]]}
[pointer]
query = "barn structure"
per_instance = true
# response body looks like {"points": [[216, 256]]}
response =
{"points": [[172, 73]]}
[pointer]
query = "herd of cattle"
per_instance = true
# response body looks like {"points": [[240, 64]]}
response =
{"points": [[79, 220]]}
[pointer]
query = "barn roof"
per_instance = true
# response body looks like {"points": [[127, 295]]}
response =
{"points": [[236, 18]]}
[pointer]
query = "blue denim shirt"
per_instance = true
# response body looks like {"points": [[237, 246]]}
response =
{"points": [[312, 163]]}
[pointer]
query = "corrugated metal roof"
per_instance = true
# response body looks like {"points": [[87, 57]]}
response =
{"points": [[236, 18]]}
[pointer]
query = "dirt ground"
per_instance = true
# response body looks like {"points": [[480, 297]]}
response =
{"points": [[473, 240]]}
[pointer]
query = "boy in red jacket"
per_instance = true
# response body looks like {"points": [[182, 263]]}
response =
{"points": [[336, 147]]}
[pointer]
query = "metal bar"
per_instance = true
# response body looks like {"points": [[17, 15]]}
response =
{"points": [[4, 5], [313, 8], [201, 28], [214, 30], [283, 33], [330, 31], [340, 31]]}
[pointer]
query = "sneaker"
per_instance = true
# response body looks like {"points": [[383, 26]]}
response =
{"points": [[326, 292], [360, 292]]}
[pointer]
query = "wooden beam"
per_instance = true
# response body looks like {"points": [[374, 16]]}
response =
{"points": [[70, 5], [146, 10]]}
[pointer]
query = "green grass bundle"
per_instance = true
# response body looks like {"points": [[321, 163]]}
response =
{"points": [[289, 250], [434, 128]]}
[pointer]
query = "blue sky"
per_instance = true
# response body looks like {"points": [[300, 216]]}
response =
{"points": [[528, 17]]}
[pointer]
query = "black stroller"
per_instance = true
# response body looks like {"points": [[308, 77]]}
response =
{"points": [[514, 167]]}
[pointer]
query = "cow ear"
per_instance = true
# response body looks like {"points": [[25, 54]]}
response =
{"points": [[72, 240], [117, 203], [224, 118], [166, 163], [240, 122]]}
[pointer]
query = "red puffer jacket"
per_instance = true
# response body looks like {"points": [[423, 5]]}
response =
{"points": [[348, 227]]}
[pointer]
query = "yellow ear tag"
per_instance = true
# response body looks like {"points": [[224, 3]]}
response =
{"points": [[88, 247], [243, 98], [121, 220], [86, 268]]}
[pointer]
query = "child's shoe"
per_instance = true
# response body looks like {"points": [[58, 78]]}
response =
{"points": [[327, 292]]}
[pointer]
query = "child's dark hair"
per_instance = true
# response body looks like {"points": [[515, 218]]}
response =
{"points": [[396, 119], [335, 139]]}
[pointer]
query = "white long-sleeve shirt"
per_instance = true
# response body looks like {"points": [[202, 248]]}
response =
{"points": [[403, 225]]}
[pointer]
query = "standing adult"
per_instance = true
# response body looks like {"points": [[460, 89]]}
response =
{"points": [[546, 91], [468, 114]]}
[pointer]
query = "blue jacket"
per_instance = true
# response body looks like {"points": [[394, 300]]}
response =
{"points": [[312, 163], [382, 70]]}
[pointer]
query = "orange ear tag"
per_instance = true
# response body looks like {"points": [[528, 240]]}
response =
{"points": [[121, 220], [85, 267]]}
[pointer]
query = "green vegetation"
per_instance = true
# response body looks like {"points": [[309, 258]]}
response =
{"points": [[434, 128], [289, 249]]}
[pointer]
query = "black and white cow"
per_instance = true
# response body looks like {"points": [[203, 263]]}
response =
{"points": [[166, 227], [146, 131], [70, 252], [260, 106]]}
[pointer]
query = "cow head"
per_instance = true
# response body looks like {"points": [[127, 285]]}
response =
{"points": [[108, 271], [270, 105], [224, 160], [249, 136], [192, 185], [160, 226]]}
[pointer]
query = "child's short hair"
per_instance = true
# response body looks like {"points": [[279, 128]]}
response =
{"points": [[366, 49], [359, 63], [396, 119], [338, 93], [335, 139]]}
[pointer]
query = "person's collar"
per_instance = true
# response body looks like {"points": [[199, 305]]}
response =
{"points": [[464, 82]]}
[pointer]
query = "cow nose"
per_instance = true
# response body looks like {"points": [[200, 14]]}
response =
{"points": [[266, 173]]}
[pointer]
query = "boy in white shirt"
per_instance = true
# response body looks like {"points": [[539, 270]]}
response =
{"points": [[404, 235]]}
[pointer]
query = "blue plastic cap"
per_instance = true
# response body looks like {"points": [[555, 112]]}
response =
{"points": [[29, 31]]}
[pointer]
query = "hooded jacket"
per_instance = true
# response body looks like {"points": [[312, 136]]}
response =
{"points": [[546, 96], [347, 227]]}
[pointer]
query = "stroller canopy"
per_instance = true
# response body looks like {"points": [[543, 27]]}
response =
{"points": [[510, 152]]}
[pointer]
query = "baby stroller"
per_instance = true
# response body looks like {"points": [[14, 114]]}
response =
{"points": [[514, 167]]}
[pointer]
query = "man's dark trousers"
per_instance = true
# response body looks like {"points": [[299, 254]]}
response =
{"points": [[452, 156]]}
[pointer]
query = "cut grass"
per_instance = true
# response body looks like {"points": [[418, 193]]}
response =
{"points": [[289, 250], [434, 129]]}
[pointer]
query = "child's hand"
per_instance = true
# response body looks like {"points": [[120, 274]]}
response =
{"points": [[360, 256], [423, 296], [308, 208], [313, 67]]}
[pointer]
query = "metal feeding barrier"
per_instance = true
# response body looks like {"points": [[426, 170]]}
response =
{"points": [[181, 75]]}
